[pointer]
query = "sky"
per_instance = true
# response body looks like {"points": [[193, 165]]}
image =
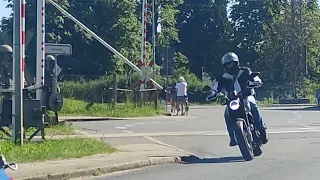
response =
{"points": [[4, 12]]}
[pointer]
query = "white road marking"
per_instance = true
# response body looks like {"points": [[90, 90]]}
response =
{"points": [[167, 145], [130, 125], [187, 133], [126, 131], [298, 116], [161, 143], [121, 128], [81, 132], [305, 126], [155, 122]]}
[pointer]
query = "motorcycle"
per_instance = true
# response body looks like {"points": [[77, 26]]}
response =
{"points": [[3, 166], [247, 135]]}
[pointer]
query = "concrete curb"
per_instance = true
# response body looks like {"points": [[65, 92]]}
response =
{"points": [[84, 118], [89, 118], [106, 169], [287, 105]]}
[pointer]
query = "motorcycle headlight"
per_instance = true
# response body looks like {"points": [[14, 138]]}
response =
{"points": [[235, 104]]}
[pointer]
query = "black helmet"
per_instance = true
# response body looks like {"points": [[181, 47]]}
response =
{"points": [[228, 58]]}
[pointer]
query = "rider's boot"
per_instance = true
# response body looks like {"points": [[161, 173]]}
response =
{"points": [[233, 141], [232, 137], [264, 134], [261, 126]]}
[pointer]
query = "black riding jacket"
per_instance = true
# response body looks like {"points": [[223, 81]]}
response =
{"points": [[228, 83]]}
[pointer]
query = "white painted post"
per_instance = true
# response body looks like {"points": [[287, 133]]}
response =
{"points": [[40, 47], [18, 69]]}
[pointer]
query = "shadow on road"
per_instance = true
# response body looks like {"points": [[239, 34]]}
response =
{"points": [[197, 160]]}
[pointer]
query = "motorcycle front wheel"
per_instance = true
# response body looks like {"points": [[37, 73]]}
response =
{"points": [[243, 141]]}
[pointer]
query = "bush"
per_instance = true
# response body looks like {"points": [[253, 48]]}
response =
{"points": [[77, 107], [309, 90], [98, 90], [91, 91]]}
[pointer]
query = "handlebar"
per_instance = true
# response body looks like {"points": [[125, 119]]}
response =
{"points": [[218, 95]]}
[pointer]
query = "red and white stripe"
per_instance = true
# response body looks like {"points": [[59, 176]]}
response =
{"points": [[40, 45], [42, 42], [147, 68], [149, 82], [23, 37], [141, 80], [143, 43], [145, 32]]}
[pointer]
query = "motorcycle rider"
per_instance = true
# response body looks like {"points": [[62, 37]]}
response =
{"points": [[234, 77]]}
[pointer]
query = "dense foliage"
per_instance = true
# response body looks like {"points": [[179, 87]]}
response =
{"points": [[269, 36]]}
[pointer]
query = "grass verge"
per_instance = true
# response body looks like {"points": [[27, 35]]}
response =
{"points": [[204, 103], [77, 107], [266, 102], [53, 149], [63, 128]]}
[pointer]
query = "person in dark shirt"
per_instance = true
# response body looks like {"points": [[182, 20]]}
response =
{"points": [[173, 99]]}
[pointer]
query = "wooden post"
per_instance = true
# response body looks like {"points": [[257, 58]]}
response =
{"points": [[115, 87]]}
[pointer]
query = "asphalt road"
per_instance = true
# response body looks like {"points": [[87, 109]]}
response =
{"points": [[291, 154]]}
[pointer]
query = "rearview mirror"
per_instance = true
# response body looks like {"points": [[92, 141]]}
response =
{"points": [[220, 95], [254, 74], [206, 89]]}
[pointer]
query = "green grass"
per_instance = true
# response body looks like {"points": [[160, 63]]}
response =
{"points": [[265, 102], [77, 107], [268, 102], [204, 103], [53, 149], [63, 128]]}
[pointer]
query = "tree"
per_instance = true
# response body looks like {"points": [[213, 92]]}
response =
{"points": [[204, 34], [113, 20], [283, 50], [248, 20]]}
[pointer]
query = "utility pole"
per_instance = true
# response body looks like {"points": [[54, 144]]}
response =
{"points": [[154, 40], [18, 65], [293, 48], [299, 61]]}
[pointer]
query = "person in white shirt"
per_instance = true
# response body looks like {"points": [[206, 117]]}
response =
{"points": [[181, 94]]}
